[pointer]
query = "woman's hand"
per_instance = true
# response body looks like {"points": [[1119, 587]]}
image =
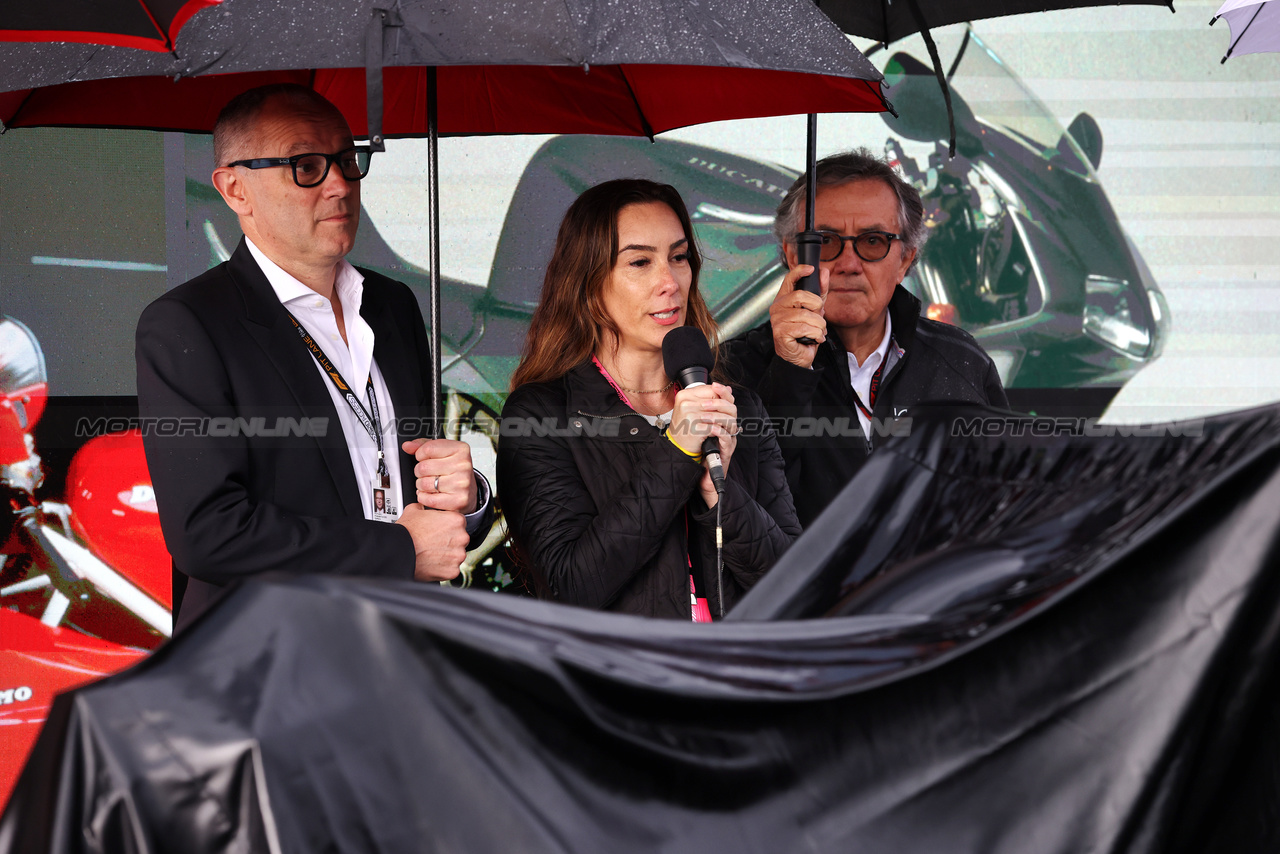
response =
{"points": [[706, 410]]}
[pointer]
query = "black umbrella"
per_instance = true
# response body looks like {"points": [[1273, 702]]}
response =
{"points": [[886, 22], [506, 66]]}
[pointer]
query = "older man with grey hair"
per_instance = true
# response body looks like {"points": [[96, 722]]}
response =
{"points": [[873, 359]]}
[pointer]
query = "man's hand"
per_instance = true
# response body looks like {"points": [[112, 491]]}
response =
{"points": [[444, 477], [439, 542], [798, 314]]}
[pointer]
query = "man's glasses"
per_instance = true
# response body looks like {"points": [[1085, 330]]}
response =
{"points": [[310, 170], [869, 245]]}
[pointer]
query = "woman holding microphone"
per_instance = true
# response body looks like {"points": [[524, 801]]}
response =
{"points": [[599, 463]]}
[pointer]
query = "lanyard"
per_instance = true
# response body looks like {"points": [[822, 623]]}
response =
{"points": [[873, 390], [368, 419]]}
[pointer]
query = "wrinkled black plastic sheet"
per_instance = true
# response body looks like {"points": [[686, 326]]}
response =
{"points": [[1053, 644]]}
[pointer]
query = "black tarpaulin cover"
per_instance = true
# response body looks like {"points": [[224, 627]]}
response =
{"points": [[1030, 644]]}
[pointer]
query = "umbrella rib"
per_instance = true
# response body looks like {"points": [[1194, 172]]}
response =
{"points": [[644, 122], [879, 94], [152, 18], [25, 99], [1232, 46]]}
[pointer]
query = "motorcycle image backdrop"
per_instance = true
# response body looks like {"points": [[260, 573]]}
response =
{"points": [[1107, 231]]}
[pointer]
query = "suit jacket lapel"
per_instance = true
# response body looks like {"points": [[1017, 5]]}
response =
{"points": [[268, 322]]}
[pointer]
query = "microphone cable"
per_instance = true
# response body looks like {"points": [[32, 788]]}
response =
{"points": [[720, 548]]}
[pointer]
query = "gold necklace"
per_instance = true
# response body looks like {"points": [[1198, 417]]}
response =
{"points": [[655, 391], [600, 363]]}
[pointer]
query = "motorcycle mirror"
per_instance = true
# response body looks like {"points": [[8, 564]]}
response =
{"points": [[922, 112], [1085, 131]]}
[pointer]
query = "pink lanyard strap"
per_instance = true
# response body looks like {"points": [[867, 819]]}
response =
{"points": [[616, 387]]}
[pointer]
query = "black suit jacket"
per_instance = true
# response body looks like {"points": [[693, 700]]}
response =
{"points": [[219, 352]]}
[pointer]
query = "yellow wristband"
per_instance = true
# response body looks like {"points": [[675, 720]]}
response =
{"points": [[697, 457]]}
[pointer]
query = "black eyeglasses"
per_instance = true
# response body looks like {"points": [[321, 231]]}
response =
{"points": [[869, 245], [310, 170]]}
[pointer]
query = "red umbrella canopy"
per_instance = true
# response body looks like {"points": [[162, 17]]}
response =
{"points": [[505, 66], [635, 100], [141, 24], [637, 67]]}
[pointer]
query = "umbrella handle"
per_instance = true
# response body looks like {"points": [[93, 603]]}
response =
{"points": [[809, 251]]}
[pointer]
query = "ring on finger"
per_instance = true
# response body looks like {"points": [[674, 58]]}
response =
{"points": [[436, 486]]}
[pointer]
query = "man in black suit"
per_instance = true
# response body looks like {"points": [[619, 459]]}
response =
{"points": [[277, 380]]}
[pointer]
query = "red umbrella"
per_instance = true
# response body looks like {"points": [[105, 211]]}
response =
{"points": [[637, 100], [502, 66], [142, 24]]}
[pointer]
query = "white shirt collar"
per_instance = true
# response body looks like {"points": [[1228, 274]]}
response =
{"points": [[349, 282], [877, 356]]}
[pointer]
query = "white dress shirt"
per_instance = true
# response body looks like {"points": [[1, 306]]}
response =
{"points": [[353, 359], [860, 375]]}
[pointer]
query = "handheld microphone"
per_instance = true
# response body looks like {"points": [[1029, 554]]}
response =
{"points": [[687, 358]]}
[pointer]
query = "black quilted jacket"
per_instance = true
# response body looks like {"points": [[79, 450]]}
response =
{"points": [[608, 511], [942, 366]]}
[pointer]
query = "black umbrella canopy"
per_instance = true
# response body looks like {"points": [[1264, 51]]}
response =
{"points": [[252, 35], [887, 22]]}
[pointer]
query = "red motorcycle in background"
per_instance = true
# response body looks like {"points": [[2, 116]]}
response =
{"points": [[85, 586]]}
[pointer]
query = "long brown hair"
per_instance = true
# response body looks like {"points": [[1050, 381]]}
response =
{"points": [[570, 321]]}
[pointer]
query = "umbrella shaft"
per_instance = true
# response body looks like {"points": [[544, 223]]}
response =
{"points": [[811, 172], [433, 219]]}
